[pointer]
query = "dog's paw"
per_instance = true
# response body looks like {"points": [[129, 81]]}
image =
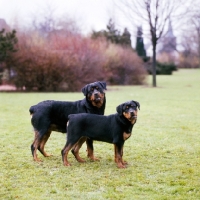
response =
{"points": [[37, 160], [66, 164], [124, 163], [121, 165], [48, 155], [94, 159]]}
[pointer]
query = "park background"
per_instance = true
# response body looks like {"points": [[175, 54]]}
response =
{"points": [[53, 58]]}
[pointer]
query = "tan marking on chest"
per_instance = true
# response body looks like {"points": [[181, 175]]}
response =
{"points": [[126, 135]]}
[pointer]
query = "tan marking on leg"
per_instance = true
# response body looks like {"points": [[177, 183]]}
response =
{"points": [[35, 145], [76, 148], [90, 153], [119, 158], [65, 152], [115, 152], [43, 142]]}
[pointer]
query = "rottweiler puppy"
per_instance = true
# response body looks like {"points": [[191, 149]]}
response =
{"points": [[115, 129], [52, 115]]}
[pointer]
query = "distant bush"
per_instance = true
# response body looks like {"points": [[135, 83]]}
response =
{"points": [[35, 67], [161, 68], [123, 66], [165, 68], [188, 59], [66, 62]]}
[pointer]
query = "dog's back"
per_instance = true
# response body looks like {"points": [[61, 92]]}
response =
{"points": [[95, 127], [54, 112]]}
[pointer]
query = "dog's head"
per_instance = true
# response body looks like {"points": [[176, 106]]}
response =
{"points": [[95, 93], [129, 110]]}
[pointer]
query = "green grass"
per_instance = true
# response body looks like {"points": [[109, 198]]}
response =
{"points": [[163, 152]]}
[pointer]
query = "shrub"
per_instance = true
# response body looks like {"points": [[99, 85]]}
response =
{"points": [[165, 68], [161, 68], [188, 59], [66, 62], [35, 67], [83, 57], [123, 66]]}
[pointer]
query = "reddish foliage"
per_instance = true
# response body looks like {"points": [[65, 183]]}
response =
{"points": [[67, 62], [124, 67]]}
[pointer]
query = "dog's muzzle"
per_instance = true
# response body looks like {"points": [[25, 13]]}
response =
{"points": [[97, 97], [133, 116]]}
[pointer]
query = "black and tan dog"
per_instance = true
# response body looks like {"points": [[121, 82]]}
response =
{"points": [[52, 115], [115, 129]]}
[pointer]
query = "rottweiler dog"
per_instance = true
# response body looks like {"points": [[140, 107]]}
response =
{"points": [[48, 116], [115, 129]]}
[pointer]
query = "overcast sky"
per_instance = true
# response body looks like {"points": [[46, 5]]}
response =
{"points": [[89, 14], [92, 14]]}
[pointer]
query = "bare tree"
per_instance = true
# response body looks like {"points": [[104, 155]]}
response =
{"points": [[47, 22], [196, 24], [155, 14]]}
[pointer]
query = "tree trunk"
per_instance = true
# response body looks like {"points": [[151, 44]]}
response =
{"points": [[199, 47], [154, 65]]}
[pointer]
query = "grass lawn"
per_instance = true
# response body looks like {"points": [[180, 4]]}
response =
{"points": [[163, 152]]}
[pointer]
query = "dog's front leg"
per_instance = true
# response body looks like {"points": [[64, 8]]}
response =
{"points": [[90, 150], [122, 152], [118, 156]]}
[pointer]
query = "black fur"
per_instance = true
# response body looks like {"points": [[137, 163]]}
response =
{"points": [[52, 115], [115, 129]]}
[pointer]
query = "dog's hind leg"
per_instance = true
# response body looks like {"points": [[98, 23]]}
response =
{"points": [[76, 148], [90, 150], [65, 152], [43, 142], [35, 146]]}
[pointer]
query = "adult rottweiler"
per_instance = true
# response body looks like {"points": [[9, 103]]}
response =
{"points": [[115, 129], [52, 115]]}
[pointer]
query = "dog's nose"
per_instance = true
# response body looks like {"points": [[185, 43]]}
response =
{"points": [[133, 114], [96, 92]]}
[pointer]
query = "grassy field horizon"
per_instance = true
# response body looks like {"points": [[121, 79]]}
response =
{"points": [[163, 152]]}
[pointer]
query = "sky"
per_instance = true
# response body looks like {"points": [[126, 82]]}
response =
{"points": [[91, 14], [88, 14]]}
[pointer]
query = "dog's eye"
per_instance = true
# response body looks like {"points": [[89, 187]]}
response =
{"points": [[127, 107], [97, 87], [92, 89]]}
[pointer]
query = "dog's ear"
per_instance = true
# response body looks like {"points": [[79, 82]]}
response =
{"points": [[120, 109], [85, 90], [102, 84], [138, 104]]}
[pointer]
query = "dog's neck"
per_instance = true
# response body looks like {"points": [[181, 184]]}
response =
{"points": [[127, 124], [92, 108]]}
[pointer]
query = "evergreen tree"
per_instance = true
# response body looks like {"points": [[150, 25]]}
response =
{"points": [[7, 44], [113, 35], [126, 38], [140, 44]]}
